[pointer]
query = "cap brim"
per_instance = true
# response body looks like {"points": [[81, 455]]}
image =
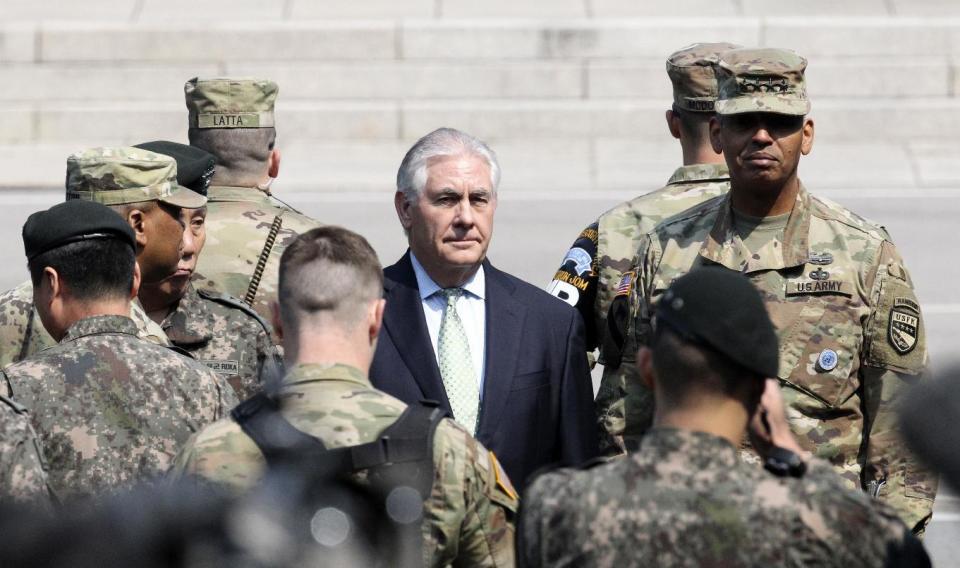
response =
{"points": [[185, 198], [767, 103]]}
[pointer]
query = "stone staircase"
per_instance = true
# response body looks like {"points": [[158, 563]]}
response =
{"points": [[571, 93]]}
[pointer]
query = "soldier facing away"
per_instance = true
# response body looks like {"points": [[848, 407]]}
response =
{"points": [[329, 315], [850, 326], [110, 408], [685, 498], [218, 330], [233, 120], [590, 273]]}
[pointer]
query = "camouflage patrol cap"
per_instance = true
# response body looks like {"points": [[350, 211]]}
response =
{"points": [[693, 77], [722, 309], [120, 175], [230, 102], [762, 80]]}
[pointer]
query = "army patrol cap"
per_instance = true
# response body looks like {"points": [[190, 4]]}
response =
{"points": [[73, 221], [693, 77], [195, 167], [230, 102], [722, 309], [762, 80], [116, 176]]}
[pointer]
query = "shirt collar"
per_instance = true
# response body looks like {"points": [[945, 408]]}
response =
{"points": [[698, 173], [723, 244], [233, 193], [310, 372], [96, 325], [707, 450], [476, 285], [188, 323]]}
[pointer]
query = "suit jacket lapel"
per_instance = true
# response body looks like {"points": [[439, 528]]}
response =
{"points": [[504, 325], [404, 321]]}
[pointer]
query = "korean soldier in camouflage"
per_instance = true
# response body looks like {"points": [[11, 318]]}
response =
{"points": [[218, 330], [329, 315], [248, 228], [22, 477], [850, 326], [22, 334], [110, 408], [684, 498], [589, 275]]}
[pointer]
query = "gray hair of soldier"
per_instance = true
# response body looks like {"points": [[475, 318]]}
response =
{"points": [[328, 272], [412, 175]]}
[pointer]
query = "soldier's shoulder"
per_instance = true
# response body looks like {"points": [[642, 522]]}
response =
{"points": [[221, 435], [21, 293], [10, 406], [229, 306], [699, 217], [846, 220]]}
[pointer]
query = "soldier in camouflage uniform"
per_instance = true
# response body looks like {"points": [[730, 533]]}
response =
{"points": [[233, 120], [21, 463], [590, 272], [850, 326], [22, 334], [331, 310], [218, 330], [110, 409], [684, 498]]}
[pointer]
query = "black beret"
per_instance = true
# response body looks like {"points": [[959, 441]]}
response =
{"points": [[72, 221], [194, 166], [722, 309]]}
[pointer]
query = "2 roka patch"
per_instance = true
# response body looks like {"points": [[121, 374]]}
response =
{"points": [[903, 329]]}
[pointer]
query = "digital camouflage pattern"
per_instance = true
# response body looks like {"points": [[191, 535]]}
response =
{"points": [[762, 80], [239, 221], [590, 284], [225, 335], [849, 325], [111, 409], [21, 463], [230, 102], [694, 80], [685, 499], [121, 175], [22, 333], [468, 518]]}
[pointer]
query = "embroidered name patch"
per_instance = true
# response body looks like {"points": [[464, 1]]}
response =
{"points": [[223, 366], [796, 287]]}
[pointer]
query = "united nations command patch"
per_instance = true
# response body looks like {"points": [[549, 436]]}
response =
{"points": [[903, 330]]}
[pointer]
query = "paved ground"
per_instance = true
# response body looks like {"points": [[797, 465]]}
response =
{"points": [[533, 231]]}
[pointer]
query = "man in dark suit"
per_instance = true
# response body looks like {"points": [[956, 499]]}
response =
{"points": [[505, 358]]}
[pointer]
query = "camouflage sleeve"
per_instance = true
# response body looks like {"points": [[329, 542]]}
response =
{"points": [[546, 536], [469, 516], [624, 406], [22, 474], [575, 282], [895, 356]]}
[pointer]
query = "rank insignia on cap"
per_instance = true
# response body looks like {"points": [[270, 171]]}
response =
{"points": [[827, 361], [626, 283], [904, 326]]}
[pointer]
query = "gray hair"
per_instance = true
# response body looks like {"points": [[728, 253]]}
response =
{"points": [[412, 175]]}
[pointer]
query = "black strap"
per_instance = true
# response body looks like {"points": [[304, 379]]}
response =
{"points": [[259, 417]]}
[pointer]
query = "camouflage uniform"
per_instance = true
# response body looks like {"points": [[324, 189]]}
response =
{"points": [[685, 499], [469, 515], [21, 463], [22, 334], [225, 335], [110, 408], [590, 272], [241, 220]]}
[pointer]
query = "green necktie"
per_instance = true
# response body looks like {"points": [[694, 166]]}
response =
{"points": [[456, 365]]}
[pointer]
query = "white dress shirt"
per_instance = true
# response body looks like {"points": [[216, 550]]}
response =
{"points": [[471, 307]]}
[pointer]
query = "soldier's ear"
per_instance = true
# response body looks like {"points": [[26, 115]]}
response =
{"points": [[673, 124], [806, 146], [136, 218], [275, 319], [715, 134], [52, 281], [135, 287], [645, 366], [376, 319], [273, 163]]}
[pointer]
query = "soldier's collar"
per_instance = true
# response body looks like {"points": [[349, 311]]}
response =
{"points": [[236, 193], [698, 173], [188, 324], [96, 325], [660, 440], [311, 372], [723, 245]]}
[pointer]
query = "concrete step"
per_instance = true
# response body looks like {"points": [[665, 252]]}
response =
{"points": [[549, 166]]}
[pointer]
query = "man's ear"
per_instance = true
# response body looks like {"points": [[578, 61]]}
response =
{"points": [[135, 288], [136, 218], [673, 123], [275, 319], [403, 210], [273, 163], [715, 134], [376, 319], [645, 366], [806, 146]]}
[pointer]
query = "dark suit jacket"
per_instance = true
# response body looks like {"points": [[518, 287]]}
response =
{"points": [[537, 404]]}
